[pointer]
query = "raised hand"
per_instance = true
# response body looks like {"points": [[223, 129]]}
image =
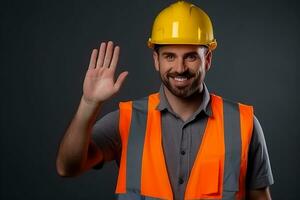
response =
{"points": [[99, 84]]}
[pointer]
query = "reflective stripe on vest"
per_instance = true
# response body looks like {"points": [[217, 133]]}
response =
{"points": [[219, 169]]}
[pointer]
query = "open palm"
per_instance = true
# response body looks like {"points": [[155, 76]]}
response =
{"points": [[99, 84]]}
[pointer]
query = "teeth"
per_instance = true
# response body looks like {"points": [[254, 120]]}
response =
{"points": [[180, 78]]}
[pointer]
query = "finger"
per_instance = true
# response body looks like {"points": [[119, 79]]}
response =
{"points": [[93, 59], [115, 58], [101, 55], [108, 54], [120, 80]]}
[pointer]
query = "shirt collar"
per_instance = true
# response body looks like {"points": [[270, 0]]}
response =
{"points": [[204, 106]]}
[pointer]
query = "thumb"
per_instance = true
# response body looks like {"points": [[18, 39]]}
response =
{"points": [[120, 80]]}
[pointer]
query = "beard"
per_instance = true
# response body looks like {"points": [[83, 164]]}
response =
{"points": [[194, 84]]}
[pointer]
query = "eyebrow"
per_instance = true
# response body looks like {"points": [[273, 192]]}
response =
{"points": [[186, 54], [167, 53]]}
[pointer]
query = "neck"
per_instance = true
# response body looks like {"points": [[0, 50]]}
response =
{"points": [[184, 107]]}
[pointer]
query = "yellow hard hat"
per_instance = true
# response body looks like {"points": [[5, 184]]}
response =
{"points": [[182, 23]]}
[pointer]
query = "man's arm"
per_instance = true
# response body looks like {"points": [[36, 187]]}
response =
{"points": [[77, 153], [259, 173], [259, 194]]}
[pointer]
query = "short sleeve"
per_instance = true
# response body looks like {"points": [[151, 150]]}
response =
{"points": [[105, 134], [259, 173]]}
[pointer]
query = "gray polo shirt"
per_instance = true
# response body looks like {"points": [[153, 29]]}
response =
{"points": [[181, 141]]}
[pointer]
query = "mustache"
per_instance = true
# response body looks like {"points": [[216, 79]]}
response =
{"points": [[186, 73]]}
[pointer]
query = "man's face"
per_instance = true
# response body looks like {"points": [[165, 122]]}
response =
{"points": [[182, 68]]}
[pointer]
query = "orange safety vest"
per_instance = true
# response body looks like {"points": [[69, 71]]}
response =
{"points": [[219, 170]]}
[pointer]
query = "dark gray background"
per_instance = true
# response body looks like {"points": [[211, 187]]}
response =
{"points": [[45, 50]]}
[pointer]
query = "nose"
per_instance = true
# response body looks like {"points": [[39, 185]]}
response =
{"points": [[179, 65]]}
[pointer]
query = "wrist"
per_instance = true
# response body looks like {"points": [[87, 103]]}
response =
{"points": [[88, 110], [90, 103]]}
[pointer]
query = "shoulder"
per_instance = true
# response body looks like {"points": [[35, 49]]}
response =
{"points": [[258, 138], [108, 121], [140, 103]]}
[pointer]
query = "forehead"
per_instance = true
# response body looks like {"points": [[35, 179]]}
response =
{"points": [[181, 49]]}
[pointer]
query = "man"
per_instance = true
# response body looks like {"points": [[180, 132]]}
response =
{"points": [[179, 143]]}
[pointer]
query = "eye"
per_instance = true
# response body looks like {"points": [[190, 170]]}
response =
{"points": [[191, 57], [169, 57]]}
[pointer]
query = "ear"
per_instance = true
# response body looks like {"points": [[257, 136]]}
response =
{"points": [[208, 58], [155, 59]]}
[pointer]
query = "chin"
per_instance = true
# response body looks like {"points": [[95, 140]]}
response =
{"points": [[183, 92]]}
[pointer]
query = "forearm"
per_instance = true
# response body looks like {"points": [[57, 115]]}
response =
{"points": [[76, 145]]}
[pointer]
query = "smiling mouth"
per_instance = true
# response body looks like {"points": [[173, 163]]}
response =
{"points": [[180, 81], [180, 78]]}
